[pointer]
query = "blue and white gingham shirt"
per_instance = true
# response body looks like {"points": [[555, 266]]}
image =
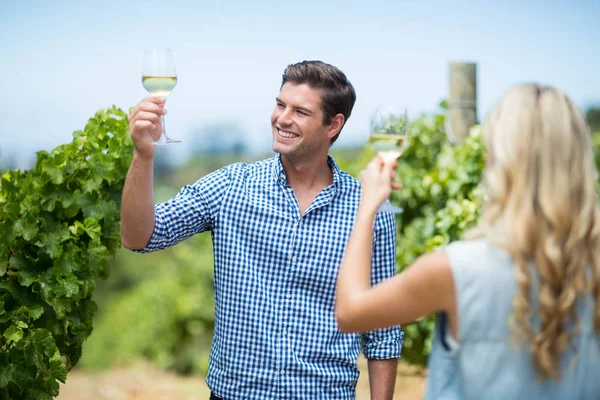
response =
{"points": [[275, 333]]}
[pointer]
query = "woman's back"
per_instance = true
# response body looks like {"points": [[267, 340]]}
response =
{"points": [[486, 364]]}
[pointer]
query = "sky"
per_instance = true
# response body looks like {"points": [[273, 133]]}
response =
{"points": [[61, 61]]}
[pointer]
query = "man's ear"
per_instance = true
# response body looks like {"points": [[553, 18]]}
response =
{"points": [[336, 124]]}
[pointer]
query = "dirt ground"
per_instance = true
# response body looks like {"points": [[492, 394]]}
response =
{"points": [[145, 381]]}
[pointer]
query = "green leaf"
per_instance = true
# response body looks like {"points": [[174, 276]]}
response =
{"points": [[44, 342], [6, 183], [68, 261], [67, 286], [38, 394], [60, 235], [98, 254], [53, 247], [6, 371], [48, 204], [58, 372], [92, 228], [21, 324], [23, 296], [61, 305], [55, 174], [21, 377], [35, 311], [32, 356], [75, 352], [92, 184], [27, 276], [96, 208], [64, 197], [77, 228], [13, 334], [18, 261], [26, 226]]}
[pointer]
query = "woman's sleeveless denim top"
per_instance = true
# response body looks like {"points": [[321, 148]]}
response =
{"points": [[485, 363]]}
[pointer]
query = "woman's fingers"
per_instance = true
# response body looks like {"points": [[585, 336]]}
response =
{"points": [[378, 170]]}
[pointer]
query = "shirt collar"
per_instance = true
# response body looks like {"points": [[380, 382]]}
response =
{"points": [[279, 176]]}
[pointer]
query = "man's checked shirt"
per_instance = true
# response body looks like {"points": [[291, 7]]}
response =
{"points": [[275, 333]]}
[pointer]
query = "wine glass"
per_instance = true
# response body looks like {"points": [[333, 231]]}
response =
{"points": [[159, 78], [389, 138]]}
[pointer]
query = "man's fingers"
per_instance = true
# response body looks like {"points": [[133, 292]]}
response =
{"points": [[148, 116], [147, 106], [151, 107], [160, 100], [144, 124]]}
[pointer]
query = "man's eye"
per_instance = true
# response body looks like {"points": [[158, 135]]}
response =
{"points": [[302, 112]]}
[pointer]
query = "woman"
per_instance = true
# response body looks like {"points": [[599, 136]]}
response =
{"points": [[518, 307]]}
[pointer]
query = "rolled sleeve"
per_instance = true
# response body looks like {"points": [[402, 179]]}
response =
{"points": [[383, 343], [191, 211]]}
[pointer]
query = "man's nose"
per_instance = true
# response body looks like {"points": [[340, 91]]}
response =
{"points": [[285, 118]]}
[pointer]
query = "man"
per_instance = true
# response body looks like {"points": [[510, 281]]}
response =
{"points": [[279, 228]]}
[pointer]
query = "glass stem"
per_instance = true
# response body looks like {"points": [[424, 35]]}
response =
{"points": [[164, 131]]}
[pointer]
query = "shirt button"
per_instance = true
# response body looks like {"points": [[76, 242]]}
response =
{"points": [[288, 296], [284, 332], [294, 259]]}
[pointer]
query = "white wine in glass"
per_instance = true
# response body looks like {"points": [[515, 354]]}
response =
{"points": [[389, 138], [159, 78]]}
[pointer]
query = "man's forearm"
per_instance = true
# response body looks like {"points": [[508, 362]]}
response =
{"points": [[137, 205], [382, 378]]}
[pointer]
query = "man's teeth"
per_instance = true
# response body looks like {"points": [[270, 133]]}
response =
{"points": [[286, 134]]}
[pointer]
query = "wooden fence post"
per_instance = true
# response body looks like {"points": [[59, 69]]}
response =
{"points": [[462, 101]]}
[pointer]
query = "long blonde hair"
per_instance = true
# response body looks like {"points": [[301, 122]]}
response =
{"points": [[542, 208]]}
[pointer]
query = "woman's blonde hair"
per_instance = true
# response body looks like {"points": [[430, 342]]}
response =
{"points": [[542, 208]]}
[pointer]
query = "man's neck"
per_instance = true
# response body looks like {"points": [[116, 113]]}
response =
{"points": [[314, 174]]}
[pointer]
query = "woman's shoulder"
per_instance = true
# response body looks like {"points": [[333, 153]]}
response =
{"points": [[476, 251], [479, 263]]}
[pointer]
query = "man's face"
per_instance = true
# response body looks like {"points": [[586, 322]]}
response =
{"points": [[297, 124]]}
